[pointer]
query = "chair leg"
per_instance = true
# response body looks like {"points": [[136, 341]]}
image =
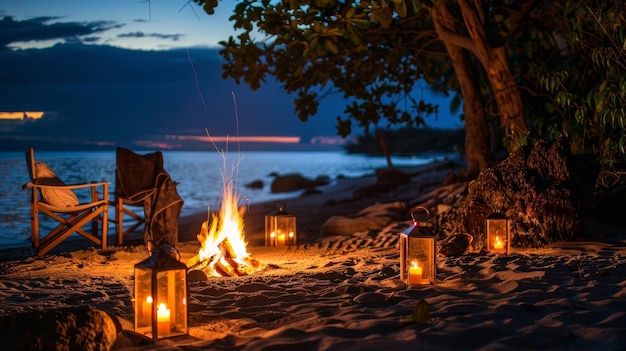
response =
{"points": [[73, 224], [94, 227], [119, 220], [34, 223], [34, 229], [105, 224], [102, 216]]}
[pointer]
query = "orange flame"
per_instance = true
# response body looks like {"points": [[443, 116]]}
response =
{"points": [[222, 243]]}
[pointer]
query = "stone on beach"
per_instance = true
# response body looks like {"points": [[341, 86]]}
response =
{"points": [[374, 217], [293, 181], [75, 328], [540, 188]]}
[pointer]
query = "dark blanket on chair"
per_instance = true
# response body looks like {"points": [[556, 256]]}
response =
{"points": [[143, 178]]}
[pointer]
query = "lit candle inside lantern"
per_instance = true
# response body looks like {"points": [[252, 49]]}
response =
{"points": [[281, 239], [163, 320], [415, 273], [291, 241], [498, 244], [146, 307]]}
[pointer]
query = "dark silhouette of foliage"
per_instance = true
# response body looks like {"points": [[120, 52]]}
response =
{"points": [[409, 141], [527, 70]]}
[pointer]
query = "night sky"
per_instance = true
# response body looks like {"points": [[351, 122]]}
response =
{"points": [[137, 74]]}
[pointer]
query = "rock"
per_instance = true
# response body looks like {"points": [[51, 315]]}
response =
{"points": [[291, 182], [455, 245], [344, 225], [370, 298], [392, 177], [75, 328], [540, 188], [196, 275], [387, 179], [374, 217], [256, 184], [310, 191]]}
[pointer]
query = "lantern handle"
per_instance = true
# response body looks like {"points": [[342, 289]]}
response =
{"points": [[419, 208], [171, 249], [493, 208]]}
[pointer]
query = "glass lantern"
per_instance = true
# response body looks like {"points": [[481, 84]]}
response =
{"points": [[280, 227], [161, 296], [498, 233], [418, 259]]}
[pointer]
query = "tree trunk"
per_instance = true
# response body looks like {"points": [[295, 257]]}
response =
{"points": [[476, 129], [383, 145], [495, 62]]}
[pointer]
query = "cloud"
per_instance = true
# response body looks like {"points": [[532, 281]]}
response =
{"points": [[47, 28], [173, 37], [96, 94]]}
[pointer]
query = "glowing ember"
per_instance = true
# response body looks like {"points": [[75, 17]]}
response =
{"points": [[222, 243]]}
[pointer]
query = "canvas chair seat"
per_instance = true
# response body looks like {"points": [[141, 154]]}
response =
{"points": [[51, 197]]}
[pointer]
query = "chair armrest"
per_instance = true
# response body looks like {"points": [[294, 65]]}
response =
{"points": [[70, 186]]}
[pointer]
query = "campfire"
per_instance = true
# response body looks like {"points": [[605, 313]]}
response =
{"points": [[222, 242]]}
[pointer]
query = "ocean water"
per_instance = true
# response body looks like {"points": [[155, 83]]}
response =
{"points": [[199, 174]]}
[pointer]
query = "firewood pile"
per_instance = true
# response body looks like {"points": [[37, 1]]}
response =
{"points": [[222, 254]]}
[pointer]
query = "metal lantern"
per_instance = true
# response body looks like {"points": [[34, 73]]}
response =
{"points": [[280, 227], [498, 233], [418, 258], [161, 296]]}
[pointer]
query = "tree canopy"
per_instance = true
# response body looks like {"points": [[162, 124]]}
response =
{"points": [[523, 70]]}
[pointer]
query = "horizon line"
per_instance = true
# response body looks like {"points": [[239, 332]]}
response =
{"points": [[238, 139]]}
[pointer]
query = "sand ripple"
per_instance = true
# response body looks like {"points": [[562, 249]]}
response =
{"points": [[345, 294]]}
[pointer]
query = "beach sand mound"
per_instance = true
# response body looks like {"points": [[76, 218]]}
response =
{"points": [[343, 292]]}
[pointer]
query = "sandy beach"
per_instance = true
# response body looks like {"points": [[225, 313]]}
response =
{"points": [[343, 292]]}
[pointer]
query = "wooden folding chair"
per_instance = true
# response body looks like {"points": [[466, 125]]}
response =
{"points": [[51, 197]]}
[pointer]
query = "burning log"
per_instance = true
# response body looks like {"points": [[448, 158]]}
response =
{"points": [[226, 249], [219, 256], [195, 264]]}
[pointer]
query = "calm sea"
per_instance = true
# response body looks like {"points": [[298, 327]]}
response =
{"points": [[199, 175]]}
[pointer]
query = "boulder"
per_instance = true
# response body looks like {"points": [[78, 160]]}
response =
{"points": [[255, 184], [74, 328], [542, 189], [374, 217], [387, 179], [292, 182]]}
